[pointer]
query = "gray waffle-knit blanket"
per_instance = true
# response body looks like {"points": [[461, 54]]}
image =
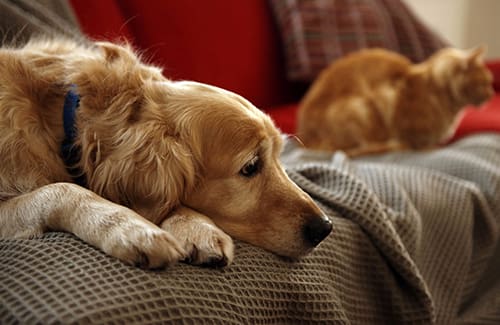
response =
{"points": [[22, 19], [414, 241]]}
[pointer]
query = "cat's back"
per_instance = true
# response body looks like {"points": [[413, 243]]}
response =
{"points": [[370, 67], [355, 75]]}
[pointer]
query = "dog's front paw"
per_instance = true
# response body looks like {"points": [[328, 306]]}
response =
{"points": [[144, 245], [204, 243], [209, 247]]}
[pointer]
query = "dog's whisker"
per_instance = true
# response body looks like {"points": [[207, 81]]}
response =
{"points": [[296, 138]]}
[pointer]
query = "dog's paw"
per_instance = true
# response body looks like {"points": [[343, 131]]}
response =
{"points": [[209, 247], [144, 245], [205, 244]]}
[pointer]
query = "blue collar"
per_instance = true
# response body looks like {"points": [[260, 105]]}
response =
{"points": [[69, 151]]}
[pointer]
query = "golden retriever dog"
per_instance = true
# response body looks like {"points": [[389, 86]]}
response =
{"points": [[170, 169], [375, 100]]}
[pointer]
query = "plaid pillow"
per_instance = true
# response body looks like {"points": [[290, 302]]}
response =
{"points": [[315, 32]]}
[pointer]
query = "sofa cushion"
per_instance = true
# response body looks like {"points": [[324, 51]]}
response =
{"points": [[479, 119], [284, 116], [485, 118], [226, 43], [315, 32]]}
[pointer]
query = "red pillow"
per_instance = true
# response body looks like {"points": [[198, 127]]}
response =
{"points": [[227, 43], [483, 119]]}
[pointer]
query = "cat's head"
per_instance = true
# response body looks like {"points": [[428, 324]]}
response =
{"points": [[463, 74]]}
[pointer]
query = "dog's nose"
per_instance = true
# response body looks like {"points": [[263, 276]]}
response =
{"points": [[316, 230]]}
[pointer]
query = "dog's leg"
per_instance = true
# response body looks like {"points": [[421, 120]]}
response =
{"points": [[204, 242], [115, 229]]}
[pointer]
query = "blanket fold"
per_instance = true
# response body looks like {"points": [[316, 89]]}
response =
{"points": [[415, 240]]}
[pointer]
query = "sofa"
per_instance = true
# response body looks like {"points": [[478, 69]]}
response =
{"points": [[233, 45], [415, 236]]}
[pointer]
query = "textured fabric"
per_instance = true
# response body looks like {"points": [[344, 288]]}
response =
{"points": [[315, 32], [414, 235], [20, 19]]}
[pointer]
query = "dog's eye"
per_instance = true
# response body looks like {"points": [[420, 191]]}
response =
{"points": [[251, 168]]}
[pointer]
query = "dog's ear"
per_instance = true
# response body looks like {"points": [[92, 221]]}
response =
{"points": [[113, 52], [145, 170], [114, 72]]}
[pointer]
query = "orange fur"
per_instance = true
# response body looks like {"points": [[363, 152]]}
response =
{"points": [[155, 153], [375, 100]]}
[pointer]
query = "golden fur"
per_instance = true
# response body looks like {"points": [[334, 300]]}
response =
{"points": [[375, 100], [194, 159]]}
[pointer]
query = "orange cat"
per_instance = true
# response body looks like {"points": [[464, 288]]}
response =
{"points": [[375, 100]]}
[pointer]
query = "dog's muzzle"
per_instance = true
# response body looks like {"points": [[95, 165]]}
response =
{"points": [[317, 229]]}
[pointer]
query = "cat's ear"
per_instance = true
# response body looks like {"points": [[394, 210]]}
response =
{"points": [[477, 54]]}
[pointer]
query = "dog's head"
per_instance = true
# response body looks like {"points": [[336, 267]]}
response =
{"points": [[464, 74], [240, 182], [154, 143]]}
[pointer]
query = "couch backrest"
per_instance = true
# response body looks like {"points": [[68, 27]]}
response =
{"points": [[227, 43]]}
